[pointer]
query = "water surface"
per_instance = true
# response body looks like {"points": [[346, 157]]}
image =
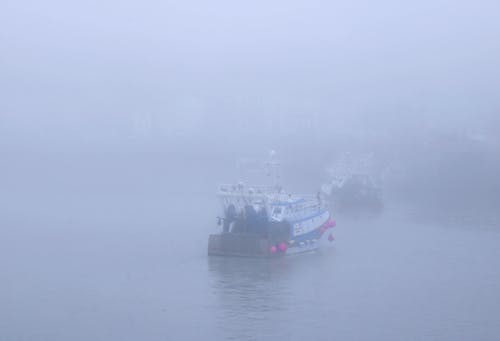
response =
{"points": [[129, 271]]}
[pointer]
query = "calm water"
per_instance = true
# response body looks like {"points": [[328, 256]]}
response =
{"points": [[119, 275]]}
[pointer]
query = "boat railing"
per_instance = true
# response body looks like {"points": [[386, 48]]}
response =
{"points": [[271, 194], [240, 188]]}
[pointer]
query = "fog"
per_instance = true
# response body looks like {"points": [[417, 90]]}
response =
{"points": [[119, 120]]}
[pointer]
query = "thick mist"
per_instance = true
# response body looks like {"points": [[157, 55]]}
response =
{"points": [[119, 120]]}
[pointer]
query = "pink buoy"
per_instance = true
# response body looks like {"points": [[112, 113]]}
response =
{"points": [[282, 246], [273, 249], [330, 223]]}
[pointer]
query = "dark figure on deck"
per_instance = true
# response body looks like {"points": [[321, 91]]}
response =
{"points": [[230, 216]]}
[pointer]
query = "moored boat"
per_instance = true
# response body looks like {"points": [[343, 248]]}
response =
{"points": [[263, 221], [354, 183]]}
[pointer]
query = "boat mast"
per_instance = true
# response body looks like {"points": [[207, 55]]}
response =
{"points": [[272, 171]]}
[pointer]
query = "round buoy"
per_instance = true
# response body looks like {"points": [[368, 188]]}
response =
{"points": [[282, 246], [273, 249]]}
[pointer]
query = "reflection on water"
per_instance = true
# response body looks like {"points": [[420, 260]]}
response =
{"points": [[249, 294], [255, 297]]}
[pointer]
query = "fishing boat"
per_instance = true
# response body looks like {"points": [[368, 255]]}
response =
{"points": [[267, 221], [354, 182]]}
